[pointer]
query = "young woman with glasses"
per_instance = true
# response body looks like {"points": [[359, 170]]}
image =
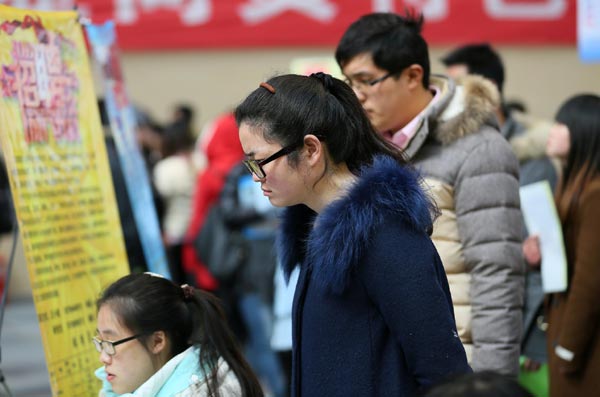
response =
{"points": [[372, 310], [158, 339]]}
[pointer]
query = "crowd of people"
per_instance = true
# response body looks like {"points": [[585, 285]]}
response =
{"points": [[362, 237]]}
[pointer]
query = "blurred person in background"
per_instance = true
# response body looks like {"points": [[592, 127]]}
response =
{"points": [[450, 133], [573, 336], [184, 113], [220, 144], [483, 60], [174, 177], [149, 138]]}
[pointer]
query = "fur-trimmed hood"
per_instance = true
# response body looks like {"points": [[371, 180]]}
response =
{"points": [[465, 106], [341, 234]]}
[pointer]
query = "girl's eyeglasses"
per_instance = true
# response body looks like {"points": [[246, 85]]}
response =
{"points": [[108, 347], [255, 166]]}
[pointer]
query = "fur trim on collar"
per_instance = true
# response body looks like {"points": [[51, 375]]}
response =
{"points": [[343, 231], [464, 108], [531, 143]]}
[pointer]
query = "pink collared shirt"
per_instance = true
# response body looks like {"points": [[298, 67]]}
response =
{"points": [[403, 137]]}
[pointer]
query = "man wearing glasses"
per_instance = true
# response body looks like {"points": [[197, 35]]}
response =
{"points": [[450, 134]]}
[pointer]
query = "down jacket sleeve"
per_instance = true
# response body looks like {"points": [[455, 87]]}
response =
{"points": [[490, 226]]}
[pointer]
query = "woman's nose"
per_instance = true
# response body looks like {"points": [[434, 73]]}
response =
{"points": [[105, 358]]}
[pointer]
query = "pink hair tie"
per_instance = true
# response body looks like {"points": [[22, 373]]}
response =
{"points": [[267, 87]]}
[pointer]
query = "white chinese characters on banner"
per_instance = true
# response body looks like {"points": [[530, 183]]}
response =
{"points": [[257, 11], [526, 9], [44, 5], [434, 10], [199, 12], [191, 12]]}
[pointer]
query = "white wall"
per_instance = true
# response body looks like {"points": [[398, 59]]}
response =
{"points": [[214, 81]]}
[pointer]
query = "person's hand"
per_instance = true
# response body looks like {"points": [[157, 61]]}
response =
{"points": [[531, 251], [531, 365]]}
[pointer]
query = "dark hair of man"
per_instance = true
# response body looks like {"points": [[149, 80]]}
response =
{"points": [[394, 42], [479, 384], [185, 112], [320, 105], [145, 304], [176, 138], [480, 59], [515, 105], [581, 115]]}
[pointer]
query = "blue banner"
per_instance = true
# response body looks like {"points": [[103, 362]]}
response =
{"points": [[121, 114], [588, 30]]}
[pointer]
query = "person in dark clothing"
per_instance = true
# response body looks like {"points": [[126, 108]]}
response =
{"points": [[372, 311]]}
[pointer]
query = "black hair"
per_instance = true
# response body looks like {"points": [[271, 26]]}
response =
{"points": [[394, 42], [480, 59], [143, 119], [320, 105], [177, 137], [479, 384], [147, 303], [581, 115], [184, 112]]}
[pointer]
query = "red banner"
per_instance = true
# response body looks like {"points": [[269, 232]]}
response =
{"points": [[171, 24]]}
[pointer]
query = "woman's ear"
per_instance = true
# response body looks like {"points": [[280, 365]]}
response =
{"points": [[158, 342], [313, 148]]}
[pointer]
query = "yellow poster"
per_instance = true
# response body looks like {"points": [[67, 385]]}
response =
{"points": [[61, 184]]}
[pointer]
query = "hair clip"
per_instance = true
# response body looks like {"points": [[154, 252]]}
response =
{"points": [[267, 87], [188, 292], [154, 274]]}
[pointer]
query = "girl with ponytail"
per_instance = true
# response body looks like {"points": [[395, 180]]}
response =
{"points": [[372, 311], [158, 339]]}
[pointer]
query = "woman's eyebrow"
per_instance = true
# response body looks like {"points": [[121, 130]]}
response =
{"points": [[106, 332]]}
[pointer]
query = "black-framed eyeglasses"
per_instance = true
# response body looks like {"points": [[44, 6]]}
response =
{"points": [[255, 166], [108, 347], [362, 84]]}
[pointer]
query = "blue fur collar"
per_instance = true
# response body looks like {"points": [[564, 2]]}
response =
{"points": [[343, 230]]}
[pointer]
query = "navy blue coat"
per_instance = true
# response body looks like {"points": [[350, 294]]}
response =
{"points": [[372, 311]]}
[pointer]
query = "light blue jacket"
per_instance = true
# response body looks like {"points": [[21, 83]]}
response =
{"points": [[181, 376]]}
